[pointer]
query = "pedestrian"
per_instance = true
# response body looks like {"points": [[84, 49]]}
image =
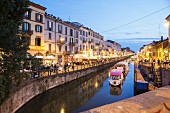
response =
{"points": [[73, 67], [57, 66], [65, 67], [54, 70]]}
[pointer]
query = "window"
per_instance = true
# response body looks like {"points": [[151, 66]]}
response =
{"points": [[49, 36], [26, 26], [65, 48], [86, 34], [89, 33], [65, 30], [27, 14], [50, 26], [65, 39], [77, 41], [80, 48], [38, 28], [59, 48], [60, 28], [38, 17], [49, 48], [37, 41], [81, 32], [71, 32], [77, 34]]}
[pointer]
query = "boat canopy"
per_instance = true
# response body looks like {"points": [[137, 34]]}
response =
{"points": [[115, 72]]}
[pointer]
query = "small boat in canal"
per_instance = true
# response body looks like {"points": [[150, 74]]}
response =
{"points": [[116, 77], [122, 66]]}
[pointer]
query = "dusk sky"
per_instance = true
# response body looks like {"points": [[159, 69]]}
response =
{"points": [[103, 15]]}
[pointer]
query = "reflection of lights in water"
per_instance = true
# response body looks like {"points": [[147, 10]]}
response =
{"points": [[96, 85], [62, 110]]}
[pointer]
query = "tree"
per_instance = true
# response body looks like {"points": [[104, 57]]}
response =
{"points": [[13, 47]]}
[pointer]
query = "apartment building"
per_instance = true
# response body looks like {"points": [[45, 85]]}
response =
{"points": [[33, 26], [61, 40], [116, 48]]}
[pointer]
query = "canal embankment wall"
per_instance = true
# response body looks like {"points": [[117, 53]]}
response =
{"points": [[163, 73], [39, 85], [157, 101]]}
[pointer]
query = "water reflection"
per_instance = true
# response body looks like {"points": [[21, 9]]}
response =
{"points": [[80, 95], [66, 98], [116, 90]]}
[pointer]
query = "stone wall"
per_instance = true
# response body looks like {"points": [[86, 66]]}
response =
{"points": [[165, 77], [37, 86]]}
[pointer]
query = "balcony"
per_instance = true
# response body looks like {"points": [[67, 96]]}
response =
{"points": [[97, 44], [84, 41], [66, 52], [90, 41], [60, 42], [29, 32], [72, 43]]}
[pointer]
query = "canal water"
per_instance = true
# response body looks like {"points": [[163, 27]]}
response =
{"points": [[80, 95]]}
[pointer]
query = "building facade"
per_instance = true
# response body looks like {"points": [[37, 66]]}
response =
{"points": [[33, 26], [56, 41]]}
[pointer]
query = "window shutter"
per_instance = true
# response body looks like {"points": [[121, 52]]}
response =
{"points": [[29, 26], [40, 28], [41, 18], [51, 26], [36, 17], [29, 14], [48, 25]]}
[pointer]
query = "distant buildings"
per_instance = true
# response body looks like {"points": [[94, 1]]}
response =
{"points": [[157, 50], [57, 41]]}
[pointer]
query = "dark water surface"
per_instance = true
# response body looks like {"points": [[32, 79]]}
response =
{"points": [[80, 95]]}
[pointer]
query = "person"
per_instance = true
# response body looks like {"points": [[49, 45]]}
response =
{"points": [[158, 61], [73, 66], [54, 68], [57, 66], [65, 67]]}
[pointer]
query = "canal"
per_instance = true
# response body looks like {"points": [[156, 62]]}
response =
{"points": [[80, 95]]}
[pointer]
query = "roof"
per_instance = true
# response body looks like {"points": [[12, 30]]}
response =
{"points": [[168, 17], [115, 72], [37, 5]]}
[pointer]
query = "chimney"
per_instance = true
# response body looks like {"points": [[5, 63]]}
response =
{"points": [[162, 38]]}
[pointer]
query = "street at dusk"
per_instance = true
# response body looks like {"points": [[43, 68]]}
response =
{"points": [[71, 56]]}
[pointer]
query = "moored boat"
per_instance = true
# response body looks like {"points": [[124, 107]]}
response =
{"points": [[116, 77], [122, 66]]}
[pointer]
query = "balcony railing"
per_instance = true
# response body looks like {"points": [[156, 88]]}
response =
{"points": [[66, 52], [30, 32], [84, 41], [90, 41], [97, 44], [72, 43]]}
